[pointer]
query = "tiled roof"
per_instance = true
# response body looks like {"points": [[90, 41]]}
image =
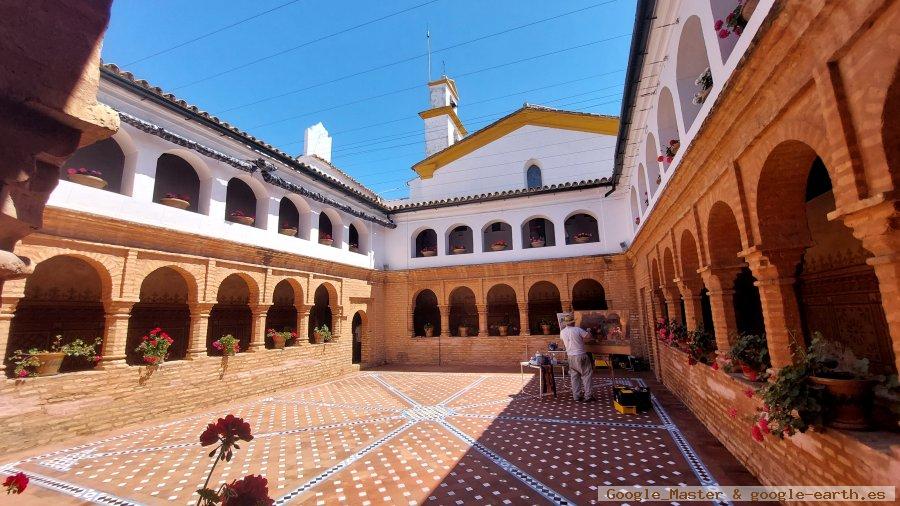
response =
{"points": [[505, 194]]}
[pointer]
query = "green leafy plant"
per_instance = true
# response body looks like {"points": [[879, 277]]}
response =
{"points": [[227, 344], [790, 403], [830, 359], [751, 350], [26, 362], [701, 347], [325, 332], [428, 326], [154, 346]]}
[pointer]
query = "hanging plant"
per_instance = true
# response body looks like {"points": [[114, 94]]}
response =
{"points": [[734, 23], [669, 152], [705, 82]]}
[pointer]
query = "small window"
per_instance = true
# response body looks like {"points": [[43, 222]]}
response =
{"points": [[534, 177]]}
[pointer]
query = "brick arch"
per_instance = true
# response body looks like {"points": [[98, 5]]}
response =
{"points": [[334, 299], [780, 195], [690, 258], [654, 273], [437, 292], [190, 278], [449, 288], [97, 261], [723, 237], [560, 288], [502, 310], [299, 293], [668, 266], [509, 283], [890, 132]]}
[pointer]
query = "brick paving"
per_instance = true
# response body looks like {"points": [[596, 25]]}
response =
{"points": [[396, 437]]}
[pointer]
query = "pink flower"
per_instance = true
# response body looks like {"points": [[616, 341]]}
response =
{"points": [[97, 358], [749, 393], [691, 361], [22, 374], [757, 434], [71, 171], [719, 24], [738, 30], [217, 345], [668, 159], [249, 490], [763, 425], [723, 33], [732, 413], [16, 483], [660, 158], [715, 366]]}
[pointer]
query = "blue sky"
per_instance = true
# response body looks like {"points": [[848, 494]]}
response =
{"points": [[373, 116]]}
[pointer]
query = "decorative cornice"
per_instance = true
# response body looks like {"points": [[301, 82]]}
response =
{"points": [[267, 170]]}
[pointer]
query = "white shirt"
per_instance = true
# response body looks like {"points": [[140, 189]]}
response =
{"points": [[573, 339]]}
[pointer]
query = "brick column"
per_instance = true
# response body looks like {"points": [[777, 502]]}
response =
{"points": [[672, 297], [337, 320], [524, 327], [199, 330], [719, 282], [258, 327], [410, 328], [302, 324], [445, 319], [115, 332], [566, 306], [774, 271], [690, 293], [482, 320], [7, 311], [875, 222]]}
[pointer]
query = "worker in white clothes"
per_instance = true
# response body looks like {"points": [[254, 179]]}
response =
{"points": [[581, 369]]}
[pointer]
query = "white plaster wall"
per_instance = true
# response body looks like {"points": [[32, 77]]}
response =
{"points": [[612, 222], [563, 155]]}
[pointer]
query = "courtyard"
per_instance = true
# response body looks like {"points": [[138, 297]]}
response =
{"points": [[398, 436]]}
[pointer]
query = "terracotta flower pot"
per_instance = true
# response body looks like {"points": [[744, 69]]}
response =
{"points": [[749, 372], [851, 401], [581, 240], [464, 332], [50, 363], [537, 244], [318, 338], [244, 220], [429, 253], [354, 249], [278, 340], [545, 329], [429, 332], [291, 231], [497, 247], [503, 329], [459, 251], [173, 202], [326, 242], [88, 180]]}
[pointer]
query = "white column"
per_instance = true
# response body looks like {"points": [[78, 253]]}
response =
{"points": [[273, 220], [516, 238], [143, 180], [441, 243], [345, 236], [313, 226], [218, 190]]}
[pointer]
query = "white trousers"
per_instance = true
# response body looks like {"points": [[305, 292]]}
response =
{"points": [[581, 370]]}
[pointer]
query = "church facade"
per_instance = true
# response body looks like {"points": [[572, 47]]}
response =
{"points": [[749, 185]]}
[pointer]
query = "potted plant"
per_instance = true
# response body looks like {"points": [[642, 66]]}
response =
{"points": [[791, 403], [646, 200], [178, 201], [280, 339], [705, 82], [537, 242], [458, 249], [227, 344], [463, 331], [287, 229], [503, 329], [582, 237], [238, 216], [736, 21], [750, 353], [499, 245], [326, 239], [637, 220], [87, 177], [668, 154], [429, 251], [354, 247], [545, 327], [846, 380], [154, 346], [38, 362], [429, 329], [701, 347], [322, 334]]}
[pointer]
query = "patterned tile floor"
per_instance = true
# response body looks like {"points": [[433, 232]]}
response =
{"points": [[390, 437]]}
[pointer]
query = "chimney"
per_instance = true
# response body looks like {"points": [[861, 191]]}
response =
{"points": [[316, 141]]}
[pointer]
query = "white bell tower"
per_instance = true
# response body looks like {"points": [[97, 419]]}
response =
{"points": [[442, 125]]}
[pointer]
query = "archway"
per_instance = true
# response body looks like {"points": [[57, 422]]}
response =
{"points": [[581, 228], [533, 179], [425, 311], [358, 329], [103, 159], [691, 62], [63, 296], [163, 303], [656, 290], [642, 187], [537, 233], [666, 122], [502, 310], [320, 314], [460, 241], [176, 178], [240, 203], [353, 239], [330, 229], [288, 218], [543, 305], [588, 295], [635, 208], [282, 314], [463, 311], [654, 176], [425, 243], [496, 236], [231, 314]]}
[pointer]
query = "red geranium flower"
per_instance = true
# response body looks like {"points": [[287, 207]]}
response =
{"points": [[715, 366], [23, 373], [251, 490], [732, 412], [748, 393], [757, 434], [16, 483], [228, 431], [763, 425]]}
